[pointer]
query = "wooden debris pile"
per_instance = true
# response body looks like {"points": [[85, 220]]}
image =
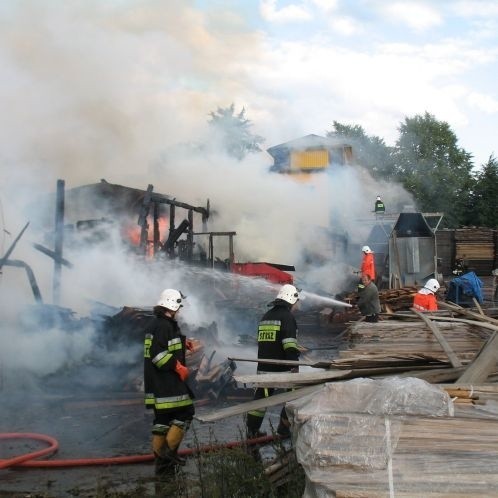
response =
{"points": [[397, 299], [213, 380]]}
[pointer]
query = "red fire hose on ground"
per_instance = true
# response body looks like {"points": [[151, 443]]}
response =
{"points": [[30, 459]]}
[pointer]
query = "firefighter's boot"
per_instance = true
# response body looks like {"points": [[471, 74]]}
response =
{"points": [[163, 466], [283, 429], [253, 424], [174, 437]]}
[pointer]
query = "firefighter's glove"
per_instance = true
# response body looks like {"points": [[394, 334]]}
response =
{"points": [[181, 370], [189, 344]]}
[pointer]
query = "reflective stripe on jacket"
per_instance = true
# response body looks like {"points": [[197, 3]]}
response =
{"points": [[164, 345], [277, 337]]}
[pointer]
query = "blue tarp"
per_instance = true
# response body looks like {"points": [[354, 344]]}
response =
{"points": [[462, 289]]}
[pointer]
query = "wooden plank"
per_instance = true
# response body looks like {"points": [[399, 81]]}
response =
{"points": [[471, 314], [259, 404], [483, 364], [476, 323], [436, 375], [287, 379], [455, 362], [478, 306]]}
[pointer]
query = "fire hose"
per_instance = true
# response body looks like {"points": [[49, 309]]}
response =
{"points": [[30, 459]]}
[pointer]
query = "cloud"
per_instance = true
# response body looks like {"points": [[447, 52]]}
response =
{"points": [[326, 5], [416, 15], [346, 26], [290, 13], [483, 102], [375, 87], [475, 8]]}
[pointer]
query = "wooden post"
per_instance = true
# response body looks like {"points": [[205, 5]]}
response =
{"points": [[59, 240]]}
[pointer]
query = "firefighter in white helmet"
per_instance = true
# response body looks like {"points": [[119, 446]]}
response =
{"points": [[277, 340], [368, 262], [425, 298], [165, 375]]}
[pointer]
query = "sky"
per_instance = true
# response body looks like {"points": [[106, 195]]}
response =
{"points": [[113, 90], [373, 63]]}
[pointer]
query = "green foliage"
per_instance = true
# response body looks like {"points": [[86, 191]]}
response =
{"points": [[235, 132], [370, 152], [433, 168], [483, 207], [232, 472]]}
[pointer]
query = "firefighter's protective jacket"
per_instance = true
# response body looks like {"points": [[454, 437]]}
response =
{"points": [[164, 345], [368, 301], [380, 207], [277, 337], [368, 265], [425, 302]]}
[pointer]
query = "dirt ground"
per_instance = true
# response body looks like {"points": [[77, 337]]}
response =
{"points": [[93, 425]]}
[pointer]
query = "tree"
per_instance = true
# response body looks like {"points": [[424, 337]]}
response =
{"points": [[234, 130], [484, 209], [433, 168], [371, 152]]}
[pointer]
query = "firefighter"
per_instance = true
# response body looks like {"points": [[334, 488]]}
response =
{"points": [[380, 208], [277, 340], [165, 375], [368, 262], [425, 298], [368, 300]]}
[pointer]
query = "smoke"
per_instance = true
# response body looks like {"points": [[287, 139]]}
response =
{"points": [[109, 90]]}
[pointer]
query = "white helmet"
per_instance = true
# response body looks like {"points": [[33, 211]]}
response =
{"points": [[288, 293], [432, 284], [378, 197], [171, 299], [366, 249]]}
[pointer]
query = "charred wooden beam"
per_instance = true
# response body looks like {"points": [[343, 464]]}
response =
{"points": [[12, 246], [174, 235], [142, 218], [59, 240], [53, 255], [30, 274]]}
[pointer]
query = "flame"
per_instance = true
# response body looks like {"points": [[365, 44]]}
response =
{"points": [[131, 231]]}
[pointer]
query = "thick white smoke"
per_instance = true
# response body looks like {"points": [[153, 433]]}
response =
{"points": [[97, 90]]}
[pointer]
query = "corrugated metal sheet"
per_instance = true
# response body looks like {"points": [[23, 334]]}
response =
{"points": [[310, 159]]}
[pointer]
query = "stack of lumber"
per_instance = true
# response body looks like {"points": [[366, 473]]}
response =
{"points": [[411, 338], [476, 246], [395, 437], [429, 457], [398, 299]]}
